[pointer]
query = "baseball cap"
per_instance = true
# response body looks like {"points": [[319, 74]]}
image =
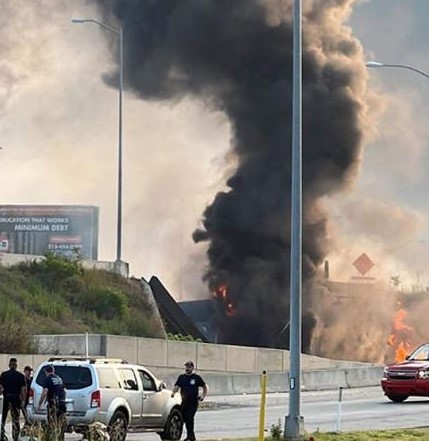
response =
{"points": [[28, 368], [189, 363]]}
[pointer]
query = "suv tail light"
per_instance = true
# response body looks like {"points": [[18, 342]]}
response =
{"points": [[96, 399], [31, 396]]}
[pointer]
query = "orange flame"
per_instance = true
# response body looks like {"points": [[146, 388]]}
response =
{"points": [[399, 318], [221, 293], [402, 351], [391, 340], [399, 339]]}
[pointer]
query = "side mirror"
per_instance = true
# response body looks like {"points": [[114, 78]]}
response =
{"points": [[407, 357], [162, 386]]}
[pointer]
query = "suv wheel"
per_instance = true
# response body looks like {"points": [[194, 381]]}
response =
{"points": [[397, 398], [173, 427], [118, 426]]}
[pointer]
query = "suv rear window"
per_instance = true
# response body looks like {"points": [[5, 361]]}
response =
{"points": [[74, 377]]}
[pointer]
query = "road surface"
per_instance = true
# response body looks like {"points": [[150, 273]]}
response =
{"points": [[364, 408]]}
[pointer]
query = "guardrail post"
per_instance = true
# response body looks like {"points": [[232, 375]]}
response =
{"points": [[340, 408], [262, 408]]}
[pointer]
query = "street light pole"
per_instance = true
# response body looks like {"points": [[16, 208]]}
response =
{"points": [[119, 211], [376, 64], [118, 33], [294, 422]]}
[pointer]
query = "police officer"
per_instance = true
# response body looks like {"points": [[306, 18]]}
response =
{"points": [[55, 396], [12, 386], [189, 384]]}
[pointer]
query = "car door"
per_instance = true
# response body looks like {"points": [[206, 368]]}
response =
{"points": [[153, 400], [132, 393]]}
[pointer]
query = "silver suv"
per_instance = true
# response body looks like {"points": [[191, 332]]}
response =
{"points": [[120, 395]]}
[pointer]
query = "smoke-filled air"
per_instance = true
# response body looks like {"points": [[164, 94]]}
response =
{"points": [[207, 154], [237, 57]]}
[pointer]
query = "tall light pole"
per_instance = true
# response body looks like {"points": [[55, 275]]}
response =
{"points": [[294, 422], [118, 33], [376, 64]]}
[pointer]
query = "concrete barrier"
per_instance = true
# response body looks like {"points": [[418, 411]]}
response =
{"points": [[325, 379], [240, 359], [269, 360], [152, 351], [249, 383], [71, 344], [171, 354], [179, 351], [211, 357], [117, 346]]}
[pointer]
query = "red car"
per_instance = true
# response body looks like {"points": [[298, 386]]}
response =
{"points": [[409, 377]]}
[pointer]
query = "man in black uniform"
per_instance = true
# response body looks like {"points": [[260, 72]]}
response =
{"points": [[12, 385], [55, 396], [189, 384]]}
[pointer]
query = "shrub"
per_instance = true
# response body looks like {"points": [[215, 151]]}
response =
{"points": [[107, 302], [180, 337], [276, 432], [56, 268], [57, 296], [15, 338]]}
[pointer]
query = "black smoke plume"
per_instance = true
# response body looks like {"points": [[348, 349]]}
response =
{"points": [[237, 56]]}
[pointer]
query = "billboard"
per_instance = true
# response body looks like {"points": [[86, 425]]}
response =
{"points": [[62, 229]]}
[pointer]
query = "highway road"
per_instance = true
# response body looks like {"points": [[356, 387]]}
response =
{"points": [[364, 408]]}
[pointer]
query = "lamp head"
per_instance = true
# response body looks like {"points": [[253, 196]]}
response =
{"points": [[374, 64], [78, 20]]}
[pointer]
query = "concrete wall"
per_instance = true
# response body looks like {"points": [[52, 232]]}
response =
{"points": [[227, 369], [170, 355], [249, 383]]}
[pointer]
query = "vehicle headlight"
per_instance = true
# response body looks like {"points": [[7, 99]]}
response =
{"points": [[423, 374], [385, 372]]}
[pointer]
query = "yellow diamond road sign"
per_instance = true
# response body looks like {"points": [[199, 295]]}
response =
{"points": [[363, 264]]}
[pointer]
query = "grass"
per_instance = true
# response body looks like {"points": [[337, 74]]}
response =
{"points": [[371, 435], [57, 296], [375, 435]]}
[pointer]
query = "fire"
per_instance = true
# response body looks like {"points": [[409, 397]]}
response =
{"points": [[402, 351], [401, 334], [230, 310], [221, 293]]}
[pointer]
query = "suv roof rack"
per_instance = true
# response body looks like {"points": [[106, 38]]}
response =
{"points": [[92, 360]]}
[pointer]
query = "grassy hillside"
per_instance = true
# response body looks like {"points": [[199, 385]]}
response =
{"points": [[57, 296]]}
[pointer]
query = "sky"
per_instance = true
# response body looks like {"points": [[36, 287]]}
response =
{"points": [[386, 213], [58, 130]]}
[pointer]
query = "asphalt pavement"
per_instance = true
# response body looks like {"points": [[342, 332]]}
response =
{"points": [[361, 409]]}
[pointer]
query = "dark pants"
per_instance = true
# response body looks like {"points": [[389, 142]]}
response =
{"points": [[12, 404], [57, 422], [189, 409]]}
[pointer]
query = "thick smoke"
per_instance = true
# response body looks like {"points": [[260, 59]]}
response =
{"points": [[237, 56]]}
